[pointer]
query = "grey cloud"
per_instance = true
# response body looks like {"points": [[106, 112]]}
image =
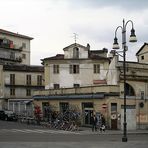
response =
{"points": [[94, 33], [123, 4]]}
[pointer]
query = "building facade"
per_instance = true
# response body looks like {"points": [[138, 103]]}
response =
{"points": [[103, 97], [14, 48], [77, 67], [18, 79]]}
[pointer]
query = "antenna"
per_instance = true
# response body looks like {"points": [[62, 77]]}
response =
{"points": [[75, 37]]}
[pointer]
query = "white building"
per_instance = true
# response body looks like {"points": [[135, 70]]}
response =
{"points": [[77, 67]]}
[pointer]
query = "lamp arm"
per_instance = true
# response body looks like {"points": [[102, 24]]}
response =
{"points": [[131, 23], [117, 29]]}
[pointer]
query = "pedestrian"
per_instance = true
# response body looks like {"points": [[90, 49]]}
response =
{"points": [[94, 123]]}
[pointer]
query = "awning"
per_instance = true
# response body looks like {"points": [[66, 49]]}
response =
{"points": [[65, 97], [26, 102]]}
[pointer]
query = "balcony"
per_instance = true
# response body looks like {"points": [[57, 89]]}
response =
{"points": [[10, 47], [9, 58]]}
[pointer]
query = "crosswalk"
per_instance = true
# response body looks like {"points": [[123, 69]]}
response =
{"points": [[38, 131]]}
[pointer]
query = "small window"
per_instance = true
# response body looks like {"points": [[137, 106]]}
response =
{"points": [[96, 68], [24, 45], [56, 86], [142, 57], [76, 85], [24, 56], [28, 79], [55, 69], [12, 91], [142, 95], [28, 92], [113, 107], [12, 79], [39, 80]]}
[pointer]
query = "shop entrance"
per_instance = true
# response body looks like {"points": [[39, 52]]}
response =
{"points": [[87, 113]]}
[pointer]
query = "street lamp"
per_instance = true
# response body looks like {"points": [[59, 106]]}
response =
{"points": [[124, 47]]}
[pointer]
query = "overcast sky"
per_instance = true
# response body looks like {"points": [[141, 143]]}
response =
{"points": [[52, 23]]}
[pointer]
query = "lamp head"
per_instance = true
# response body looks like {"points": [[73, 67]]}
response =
{"points": [[115, 44], [132, 36]]}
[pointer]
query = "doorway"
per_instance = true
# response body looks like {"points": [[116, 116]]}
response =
{"points": [[87, 109]]}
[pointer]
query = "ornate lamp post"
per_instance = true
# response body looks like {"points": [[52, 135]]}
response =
{"points": [[124, 47]]}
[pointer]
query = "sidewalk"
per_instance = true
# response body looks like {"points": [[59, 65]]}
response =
{"points": [[88, 130]]}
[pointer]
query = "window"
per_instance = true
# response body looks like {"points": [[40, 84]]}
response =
{"points": [[142, 57], [12, 55], [28, 79], [129, 90], [142, 95], [64, 106], [12, 79], [113, 107], [24, 45], [12, 91], [39, 80], [24, 56], [75, 52], [28, 92], [56, 86], [76, 85], [74, 69], [96, 68], [55, 69]]}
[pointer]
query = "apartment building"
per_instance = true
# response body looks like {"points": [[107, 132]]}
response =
{"points": [[14, 48], [18, 79]]}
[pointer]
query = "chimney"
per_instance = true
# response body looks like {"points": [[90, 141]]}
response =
{"points": [[88, 46]]}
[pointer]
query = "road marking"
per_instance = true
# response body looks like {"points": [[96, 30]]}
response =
{"points": [[18, 130], [38, 131]]}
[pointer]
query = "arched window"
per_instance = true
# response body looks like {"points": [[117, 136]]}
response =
{"points": [[75, 52], [129, 90]]}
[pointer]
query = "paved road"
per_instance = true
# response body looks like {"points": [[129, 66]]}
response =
{"points": [[16, 135]]}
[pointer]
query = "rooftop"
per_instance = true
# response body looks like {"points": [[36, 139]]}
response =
{"points": [[14, 34]]}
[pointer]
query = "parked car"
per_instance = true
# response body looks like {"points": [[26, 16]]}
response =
{"points": [[8, 115]]}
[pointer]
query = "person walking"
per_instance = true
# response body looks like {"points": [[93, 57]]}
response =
{"points": [[94, 123]]}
